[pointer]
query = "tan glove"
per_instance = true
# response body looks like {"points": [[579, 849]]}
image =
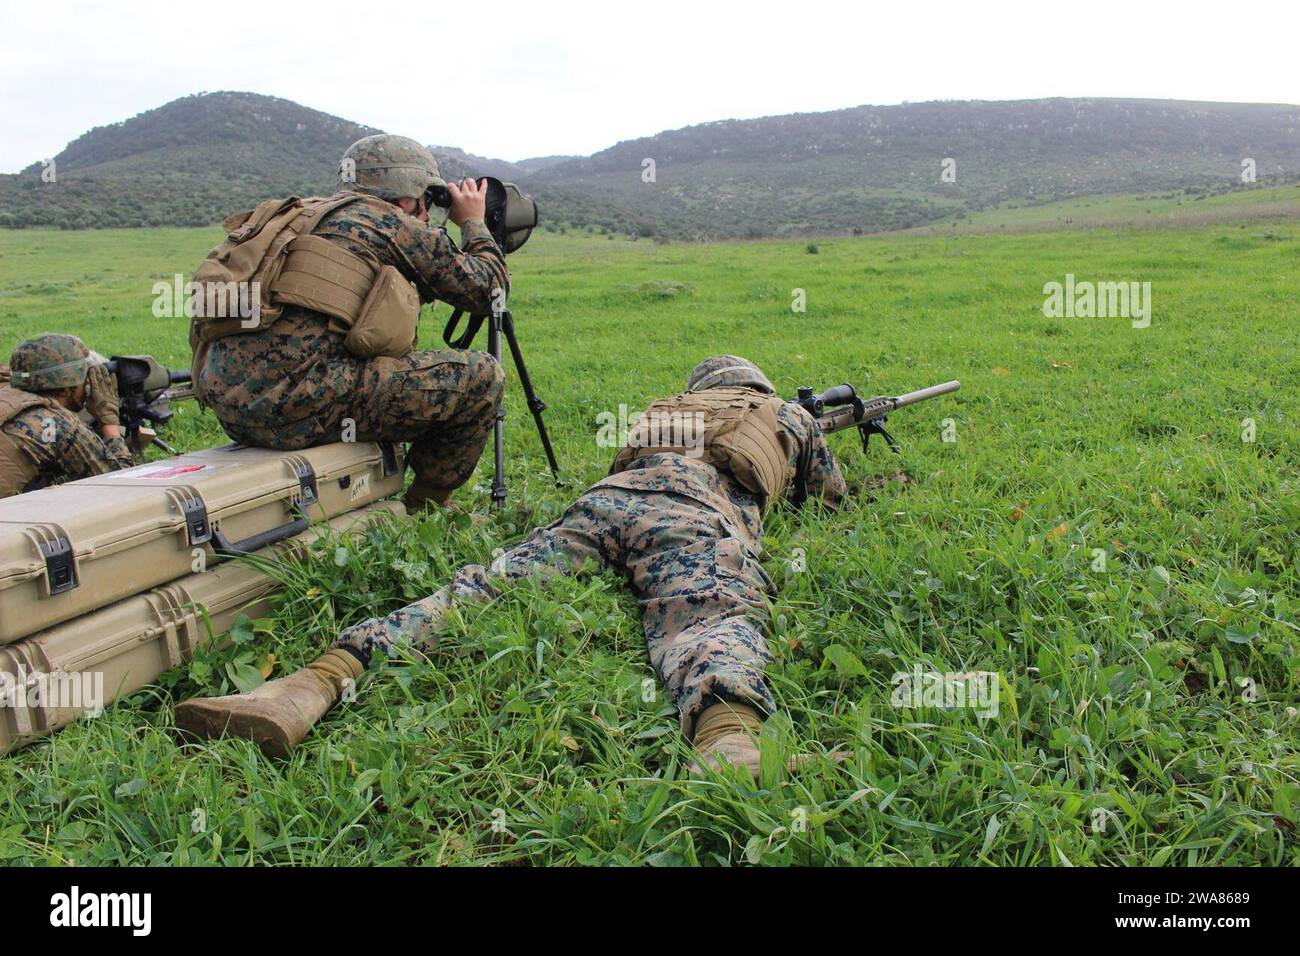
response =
{"points": [[102, 401]]}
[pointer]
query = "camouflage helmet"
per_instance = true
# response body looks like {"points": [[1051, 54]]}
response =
{"points": [[49, 363], [728, 370], [390, 167]]}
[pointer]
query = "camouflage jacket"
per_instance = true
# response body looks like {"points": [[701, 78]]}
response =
{"points": [[296, 369], [717, 489], [47, 444]]}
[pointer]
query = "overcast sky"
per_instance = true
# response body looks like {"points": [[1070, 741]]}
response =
{"points": [[513, 80]]}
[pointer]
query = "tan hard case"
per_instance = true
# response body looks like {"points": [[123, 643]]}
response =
{"points": [[133, 641], [68, 550]]}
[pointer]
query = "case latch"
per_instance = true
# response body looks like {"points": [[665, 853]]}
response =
{"points": [[197, 526], [388, 451], [60, 565], [306, 483]]}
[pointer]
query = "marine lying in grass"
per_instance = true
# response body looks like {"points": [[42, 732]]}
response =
{"points": [[42, 441], [683, 523]]}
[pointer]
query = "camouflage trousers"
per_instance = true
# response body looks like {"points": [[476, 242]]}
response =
{"points": [[704, 599], [443, 402]]}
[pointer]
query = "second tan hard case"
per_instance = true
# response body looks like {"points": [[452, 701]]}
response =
{"points": [[76, 547], [125, 646]]}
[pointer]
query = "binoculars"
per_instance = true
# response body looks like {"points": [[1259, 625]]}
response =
{"points": [[511, 215]]}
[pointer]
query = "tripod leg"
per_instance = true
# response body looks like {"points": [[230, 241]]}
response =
{"points": [[535, 404], [498, 428]]}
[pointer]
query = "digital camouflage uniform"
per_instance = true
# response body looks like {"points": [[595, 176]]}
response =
{"points": [[293, 384], [41, 442], [689, 539], [57, 446], [685, 532]]}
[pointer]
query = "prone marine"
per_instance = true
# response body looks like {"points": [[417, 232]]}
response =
{"points": [[43, 441], [683, 524]]}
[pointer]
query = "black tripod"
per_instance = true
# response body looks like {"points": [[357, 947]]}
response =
{"points": [[503, 322]]}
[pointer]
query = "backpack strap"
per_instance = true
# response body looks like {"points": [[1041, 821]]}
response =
{"points": [[15, 401], [306, 223]]}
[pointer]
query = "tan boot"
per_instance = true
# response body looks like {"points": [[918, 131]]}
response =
{"points": [[278, 714], [727, 732]]}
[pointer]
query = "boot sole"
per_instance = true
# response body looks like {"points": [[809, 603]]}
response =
{"points": [[206, 721]]}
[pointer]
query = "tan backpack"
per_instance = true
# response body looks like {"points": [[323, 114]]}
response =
{"points": [[372, 306], [736, 429], [16, 466]]}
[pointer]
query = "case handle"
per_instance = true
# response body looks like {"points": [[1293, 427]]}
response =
{"points": [[264, 539], [307, 495]]}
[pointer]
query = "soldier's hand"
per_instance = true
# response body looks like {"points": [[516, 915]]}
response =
{"points": [[468, 200], [102, 401]]}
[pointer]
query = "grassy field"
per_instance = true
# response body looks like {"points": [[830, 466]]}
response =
{"points": [[1168, 210], [1114, 531]]}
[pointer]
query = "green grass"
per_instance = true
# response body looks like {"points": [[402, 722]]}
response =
{"points": [[1121, 695], [1244, 208]]}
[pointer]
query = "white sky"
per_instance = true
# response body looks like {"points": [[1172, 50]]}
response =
{"points": [[511, 79]]}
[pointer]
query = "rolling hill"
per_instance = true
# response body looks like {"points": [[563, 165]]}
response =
{"points": [[862, 170], [191, 162], [878, 168]]}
